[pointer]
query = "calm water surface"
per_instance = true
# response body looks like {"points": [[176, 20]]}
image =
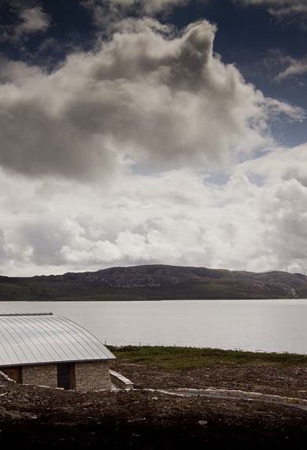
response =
{"points": [[256, 325]]}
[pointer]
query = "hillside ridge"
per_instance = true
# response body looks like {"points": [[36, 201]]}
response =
{"points": [[154, 282]]}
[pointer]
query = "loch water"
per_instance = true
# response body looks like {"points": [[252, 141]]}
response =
{"points": [[254, 325]]}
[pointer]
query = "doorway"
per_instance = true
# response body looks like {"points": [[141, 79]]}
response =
{"points": [[14, 373], [66, 375]]}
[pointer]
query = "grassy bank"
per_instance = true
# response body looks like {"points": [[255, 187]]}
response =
{"points": [[181, 358]]}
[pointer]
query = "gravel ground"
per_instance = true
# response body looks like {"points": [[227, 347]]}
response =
{"points": [[145, 418]]}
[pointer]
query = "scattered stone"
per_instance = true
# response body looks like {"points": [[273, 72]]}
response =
{"points": [[203, 423]]}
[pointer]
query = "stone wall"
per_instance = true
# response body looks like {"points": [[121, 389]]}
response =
{"points": [[43, 375], [88, 376], [92, 376]]}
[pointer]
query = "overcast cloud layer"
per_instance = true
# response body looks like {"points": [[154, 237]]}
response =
{"points": [[119, 156], [257, 221]]}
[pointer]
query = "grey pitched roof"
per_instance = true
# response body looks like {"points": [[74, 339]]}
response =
{"points": [[46, 338]]}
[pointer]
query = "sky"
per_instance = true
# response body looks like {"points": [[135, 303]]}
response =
{"points": [[153, 132]]}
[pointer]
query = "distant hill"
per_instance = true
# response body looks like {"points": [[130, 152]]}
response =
{"points": [[154, 282]]}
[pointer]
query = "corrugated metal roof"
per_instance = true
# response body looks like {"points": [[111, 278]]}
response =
{"points": [[46, 338]]}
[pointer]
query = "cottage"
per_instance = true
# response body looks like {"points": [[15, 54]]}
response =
{"points": [[50, 350]]}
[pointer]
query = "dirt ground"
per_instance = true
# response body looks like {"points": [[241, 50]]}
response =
{"points": [[145, 418]]}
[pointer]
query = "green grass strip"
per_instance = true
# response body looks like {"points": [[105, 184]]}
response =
{"points": [[172, 357]]}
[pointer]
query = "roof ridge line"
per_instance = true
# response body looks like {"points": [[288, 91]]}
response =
{"points": [[27, 314]]}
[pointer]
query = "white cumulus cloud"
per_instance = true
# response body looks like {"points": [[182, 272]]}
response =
{"points": [[152, 111], [145, 97], [33, 20]]}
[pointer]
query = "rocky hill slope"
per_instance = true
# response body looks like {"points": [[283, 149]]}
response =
{"points": [[154, 282]]}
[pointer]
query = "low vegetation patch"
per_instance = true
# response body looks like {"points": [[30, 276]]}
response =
{"points": [[173, 357]]}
